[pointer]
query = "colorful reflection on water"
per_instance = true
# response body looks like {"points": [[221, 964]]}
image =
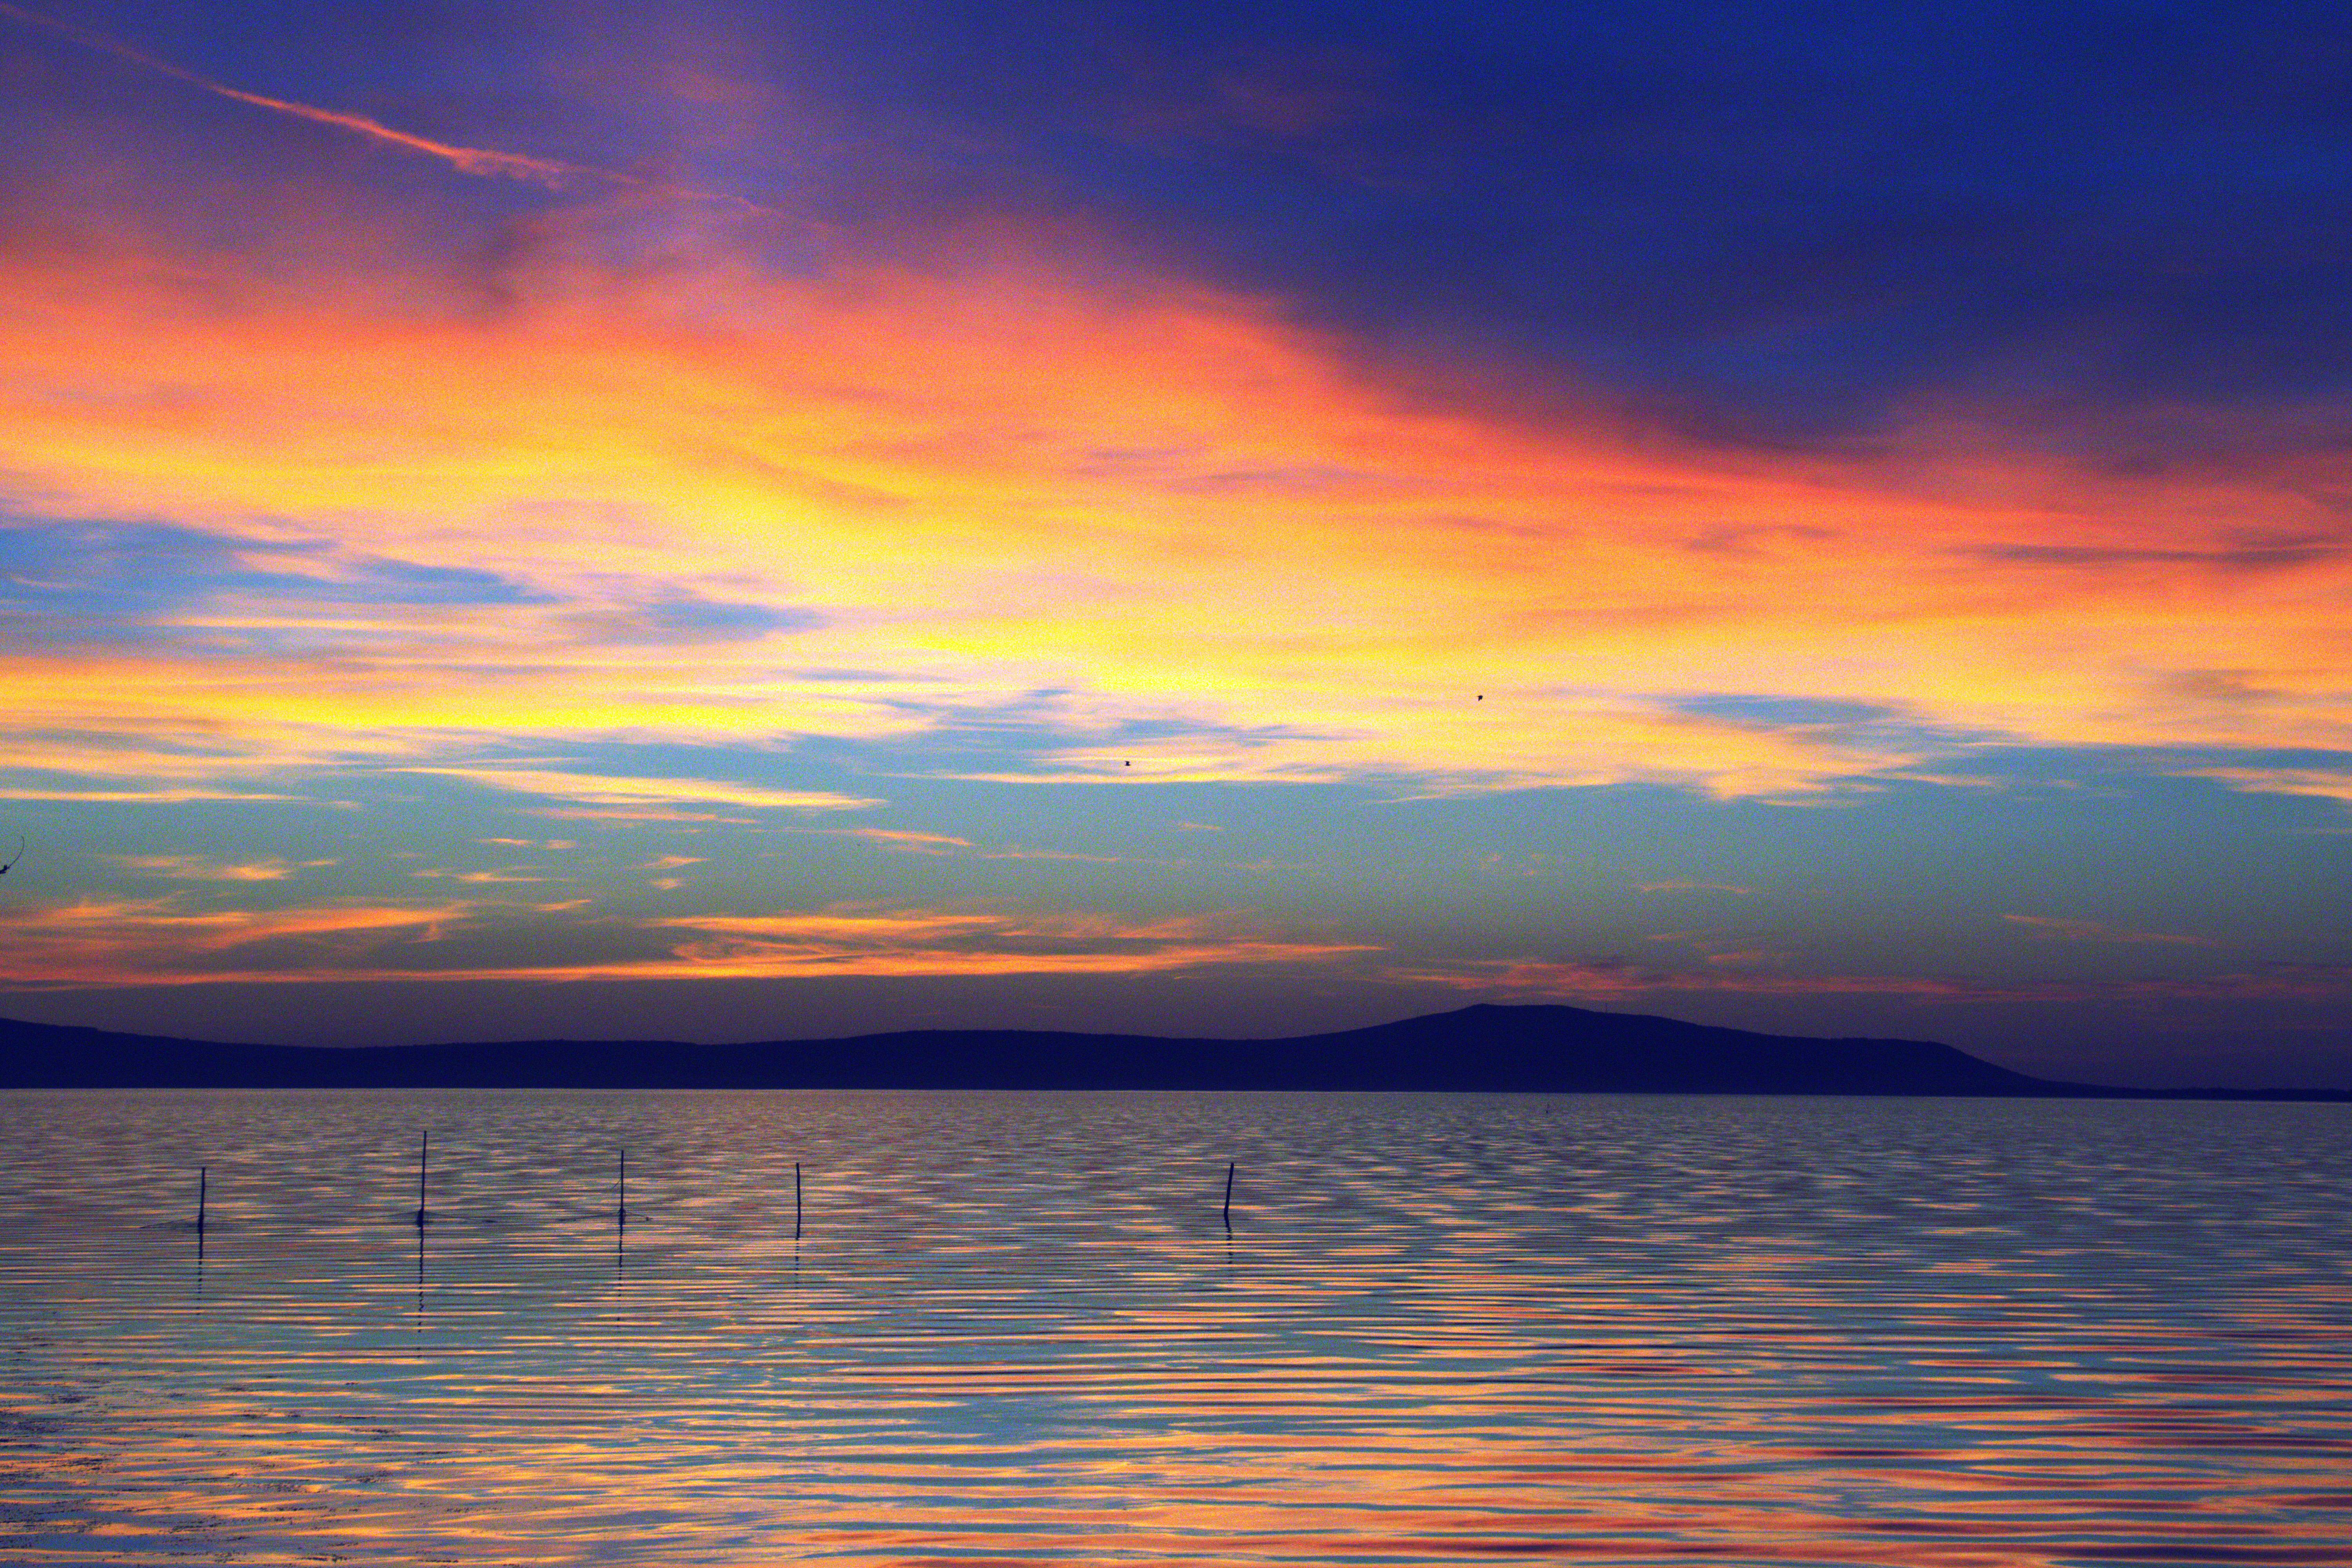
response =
{"points": [[1612, 1331]]}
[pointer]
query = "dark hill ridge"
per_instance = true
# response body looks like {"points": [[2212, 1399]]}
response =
{"points": [[1482, 1047]]}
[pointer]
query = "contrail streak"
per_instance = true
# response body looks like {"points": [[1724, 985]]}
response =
{"points": [[552, 173]]}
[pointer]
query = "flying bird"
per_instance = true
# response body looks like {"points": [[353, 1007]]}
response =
{"points": [[19, 854]]}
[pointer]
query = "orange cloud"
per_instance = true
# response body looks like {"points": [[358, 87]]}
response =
{"points": [[481, 877], [205, 868], [138, 797], [901, 838], [608, 790], [695, 820], [2057, 929], [971, 943], [2324, 784], [156, 942], [1147, 507]]}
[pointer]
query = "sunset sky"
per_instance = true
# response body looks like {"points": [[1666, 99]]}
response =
{"points": [[732, 521]]}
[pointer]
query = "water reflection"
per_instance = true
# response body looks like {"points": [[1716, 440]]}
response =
{"points": [[1633, 1330]]}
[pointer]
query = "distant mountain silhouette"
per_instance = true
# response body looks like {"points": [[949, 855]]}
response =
{"points": [[1484, 1048]]}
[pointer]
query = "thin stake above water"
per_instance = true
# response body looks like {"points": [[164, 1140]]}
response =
{"points": [[1229, 1197], [621, 1210], [796, 1200], [201, 1172], [424, 1149]]}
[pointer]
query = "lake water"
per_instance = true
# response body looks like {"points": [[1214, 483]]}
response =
{"points": [[1596, 1329]]}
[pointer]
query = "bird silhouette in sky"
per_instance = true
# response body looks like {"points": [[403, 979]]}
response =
{"points": [[19, 854]]}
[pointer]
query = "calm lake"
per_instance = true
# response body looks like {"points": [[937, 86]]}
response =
{"points": [[1443, 1329]]}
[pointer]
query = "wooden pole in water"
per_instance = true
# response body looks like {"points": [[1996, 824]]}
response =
{"points": [[424, 1150], [796, 1200], [203, 1171], [1229, 1197], [621, 1210]]}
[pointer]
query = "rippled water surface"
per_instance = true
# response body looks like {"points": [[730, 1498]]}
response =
{"points": [[1014, 1330]]}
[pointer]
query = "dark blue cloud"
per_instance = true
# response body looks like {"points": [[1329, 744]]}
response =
{"points": [[1784, 220], [1790, 218]]}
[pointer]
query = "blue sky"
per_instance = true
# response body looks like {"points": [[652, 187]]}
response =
{"points": [[518, 519]]}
